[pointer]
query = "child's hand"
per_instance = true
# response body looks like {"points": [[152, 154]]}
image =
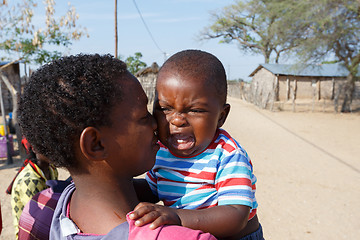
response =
{"points": [[159, 215]]}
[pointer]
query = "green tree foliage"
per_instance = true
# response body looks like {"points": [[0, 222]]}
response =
{"points": [[134, 63], [254, 26], [22, 38]]}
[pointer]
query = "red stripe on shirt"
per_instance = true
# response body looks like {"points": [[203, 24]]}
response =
{"points": [[225, 146], [202, 175], [233, 182]]}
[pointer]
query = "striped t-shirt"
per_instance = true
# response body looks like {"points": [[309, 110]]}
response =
{"points": [[221, 175]]}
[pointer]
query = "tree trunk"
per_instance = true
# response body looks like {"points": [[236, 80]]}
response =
{"points": [[277, 58], [348, 93], [266, 56]]}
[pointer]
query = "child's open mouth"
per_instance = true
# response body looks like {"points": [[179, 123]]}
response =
{"points": [[181, 142]]}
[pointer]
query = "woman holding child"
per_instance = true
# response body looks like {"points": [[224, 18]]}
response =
{"points": [[89, 115]]}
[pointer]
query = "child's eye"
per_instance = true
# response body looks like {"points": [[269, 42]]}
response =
{"points": [[164, 109], [197, 110]]}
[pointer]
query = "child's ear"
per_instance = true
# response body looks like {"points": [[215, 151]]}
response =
{"points": [[223, 115], [91, 144]]}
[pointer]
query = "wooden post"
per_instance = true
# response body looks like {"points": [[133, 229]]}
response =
{"points": [[275, 92], [287, 89], [294, 94], [242, 96], [276, 88], [314, 93], [333, 89]]}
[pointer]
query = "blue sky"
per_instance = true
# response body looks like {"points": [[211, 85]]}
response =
{"points": [[174, 24]]}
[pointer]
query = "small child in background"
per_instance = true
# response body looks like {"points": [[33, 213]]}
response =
{"points": [[201, 172], [30, 179]]}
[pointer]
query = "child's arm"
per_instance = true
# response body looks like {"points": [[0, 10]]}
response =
{"points": [[221, 221], [143, 191]]}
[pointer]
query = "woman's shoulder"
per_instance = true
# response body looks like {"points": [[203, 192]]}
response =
{"points": [[166, 232]]}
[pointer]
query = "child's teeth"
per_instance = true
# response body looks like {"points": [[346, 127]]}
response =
{"points": [[180, 141]]}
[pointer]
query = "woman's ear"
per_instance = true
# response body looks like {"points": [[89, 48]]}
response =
{"points": [[223, 115], [91, 144]]}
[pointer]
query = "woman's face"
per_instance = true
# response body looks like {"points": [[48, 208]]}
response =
{"points": [[133, 144]]}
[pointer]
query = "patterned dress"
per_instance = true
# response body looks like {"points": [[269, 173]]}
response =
{"points": [[30, 181]]}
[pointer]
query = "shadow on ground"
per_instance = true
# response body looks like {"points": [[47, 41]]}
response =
{"points": [[16, 163]]}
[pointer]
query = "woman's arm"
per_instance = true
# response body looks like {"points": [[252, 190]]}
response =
{"points": [[221, 221]]}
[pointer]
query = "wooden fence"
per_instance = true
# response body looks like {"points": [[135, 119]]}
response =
{"points": [[246, 91]]}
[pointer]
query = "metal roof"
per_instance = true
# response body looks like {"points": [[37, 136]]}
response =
{"points": [[323, 70], [6, 62]]}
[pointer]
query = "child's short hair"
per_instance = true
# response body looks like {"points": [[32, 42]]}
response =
{"points": [[197, 63], [66, 96]]}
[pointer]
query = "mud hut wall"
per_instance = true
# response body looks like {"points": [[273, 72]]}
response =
{"points": [[325, 86], [321, 87], [234, 89], [308, 87], [285, 87], [148, 82], [329, 85], [327, 91], [357, 90], [262, 87], [239, 90]]}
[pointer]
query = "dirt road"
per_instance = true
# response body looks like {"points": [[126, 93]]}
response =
{"points": [[308, 169]]}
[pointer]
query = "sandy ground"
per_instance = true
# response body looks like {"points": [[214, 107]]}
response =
{"points": [[307, 165]]}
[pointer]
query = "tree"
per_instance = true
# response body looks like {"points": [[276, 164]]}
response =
{"points": [[254, 25], [313, 31], [134, 63], [21, 39], [332, 31]]}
